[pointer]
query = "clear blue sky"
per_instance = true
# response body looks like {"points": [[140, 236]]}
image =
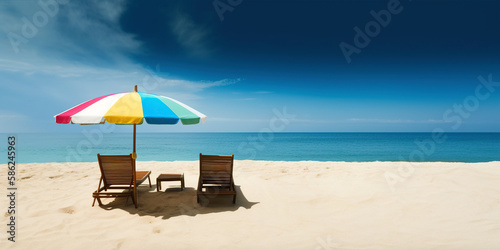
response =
{"points": [[237, 64]]}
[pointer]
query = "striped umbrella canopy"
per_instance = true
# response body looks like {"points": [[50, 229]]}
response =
{"points": [[131, 108]]}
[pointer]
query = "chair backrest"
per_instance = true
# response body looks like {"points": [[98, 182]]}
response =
{"points": [[216, 169], [117, 169]]}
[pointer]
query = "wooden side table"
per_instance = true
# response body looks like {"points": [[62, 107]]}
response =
{"points": [[169, 177]]}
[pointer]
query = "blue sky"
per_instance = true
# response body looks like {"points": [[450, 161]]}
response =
{"points": [[415, 69]]}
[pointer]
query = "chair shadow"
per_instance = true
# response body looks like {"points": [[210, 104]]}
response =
{"points": [[173, 202]]}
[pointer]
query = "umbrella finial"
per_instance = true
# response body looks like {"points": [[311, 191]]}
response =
{"points": [[135, 88]]}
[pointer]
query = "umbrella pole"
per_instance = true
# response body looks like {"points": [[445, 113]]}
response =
{"points": [[134, 154]]}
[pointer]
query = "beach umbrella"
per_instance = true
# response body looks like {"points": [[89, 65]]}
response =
{"points": [[131, 108]]}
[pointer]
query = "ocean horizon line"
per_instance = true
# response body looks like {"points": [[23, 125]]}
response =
{"points": [[247, 132]]}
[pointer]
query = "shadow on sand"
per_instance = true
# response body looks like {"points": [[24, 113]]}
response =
{"points": [[173, 202]]}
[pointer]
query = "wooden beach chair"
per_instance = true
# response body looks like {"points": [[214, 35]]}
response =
{"points": [[118, 172], [216, 176]]}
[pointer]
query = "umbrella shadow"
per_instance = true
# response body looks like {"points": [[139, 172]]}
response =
{"points": [[175, 202]]}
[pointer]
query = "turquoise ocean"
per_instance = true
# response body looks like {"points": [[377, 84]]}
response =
{"points": [[350, 147]]}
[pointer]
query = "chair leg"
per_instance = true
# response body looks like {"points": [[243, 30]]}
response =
{"points": [[149, 179], [98, 190], [133, 200], [234, 199], [182, 183], [135, 197]]}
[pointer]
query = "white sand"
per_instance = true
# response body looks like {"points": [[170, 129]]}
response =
{"points": [[280, 205]]}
